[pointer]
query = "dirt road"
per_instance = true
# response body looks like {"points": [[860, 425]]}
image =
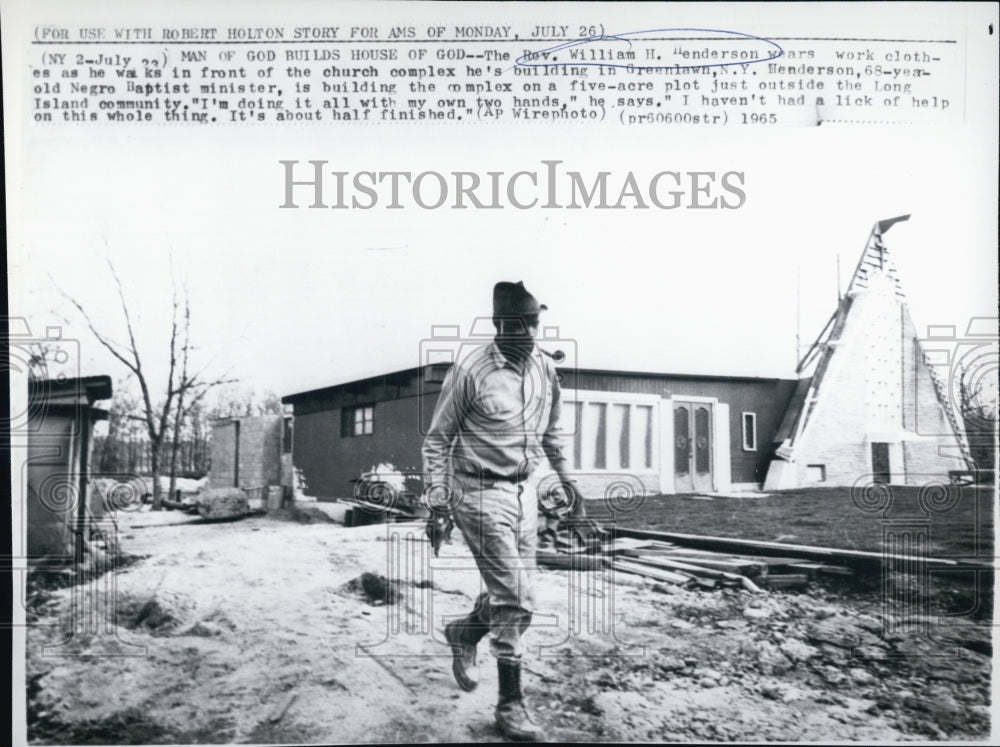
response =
{"points": [[253, 631]]}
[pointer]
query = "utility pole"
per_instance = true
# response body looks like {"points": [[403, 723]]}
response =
{"points": [[798, 315]]}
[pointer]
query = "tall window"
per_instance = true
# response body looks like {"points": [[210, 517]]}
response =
{"points": [[357, 421], [608, 433], [749, 431]]}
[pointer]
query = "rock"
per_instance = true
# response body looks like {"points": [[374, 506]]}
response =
{"points": [[681, 624], [860, 676], [223, 503], [791, 693], [672, 664], [832, 676], [797, 651], [771, 661], [871, 624], [771, 692], [875, 653], [708, 677], [730, 624], [942, 708], [604, 680], [755, 612], [835, 631]]}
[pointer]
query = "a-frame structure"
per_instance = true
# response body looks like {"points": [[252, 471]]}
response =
{"points": [[868, 407]]}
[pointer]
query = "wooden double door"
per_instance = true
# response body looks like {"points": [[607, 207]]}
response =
{"points": [[693, 439]]}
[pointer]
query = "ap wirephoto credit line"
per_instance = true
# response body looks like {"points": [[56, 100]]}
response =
{"points": [[481, 372]]}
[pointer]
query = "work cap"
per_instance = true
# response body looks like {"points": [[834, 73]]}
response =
{"points": [[513, 299]]}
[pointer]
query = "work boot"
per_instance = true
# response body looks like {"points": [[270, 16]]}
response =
{"points": [[463, 636], [513, 716]]}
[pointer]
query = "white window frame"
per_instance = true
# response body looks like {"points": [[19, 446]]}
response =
{"points": [[743, 430], [367, 421], [586, 397]]}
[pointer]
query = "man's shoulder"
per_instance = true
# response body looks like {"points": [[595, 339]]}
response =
{"points": [[472, 357]]}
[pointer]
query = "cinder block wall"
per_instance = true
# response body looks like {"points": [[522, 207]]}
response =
{"points": [[260, 451], [222, 474]]}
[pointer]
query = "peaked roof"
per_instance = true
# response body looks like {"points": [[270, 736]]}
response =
{"points": [[875, 261]]}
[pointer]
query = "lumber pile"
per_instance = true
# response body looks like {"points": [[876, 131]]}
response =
{"points": [[675, 564]]}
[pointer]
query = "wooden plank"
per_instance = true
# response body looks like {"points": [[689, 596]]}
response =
{"points": [[627, 543], [719, 563], [695, 570], [821, 568], [786, 580], [731, 578], [655, 573], [857, 559], [549, 559]]}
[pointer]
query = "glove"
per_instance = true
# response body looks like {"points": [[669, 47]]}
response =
{"points": [[439, 523], [438, 530]]}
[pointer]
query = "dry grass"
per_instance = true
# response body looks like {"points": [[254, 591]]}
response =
{"points": [[961, 525]]}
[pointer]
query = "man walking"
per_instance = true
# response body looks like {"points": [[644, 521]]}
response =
{"points": [[496, 420]]}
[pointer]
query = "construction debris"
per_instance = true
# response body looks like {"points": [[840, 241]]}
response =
{"points": [[223, 503], [677, 565], [827, 557]]}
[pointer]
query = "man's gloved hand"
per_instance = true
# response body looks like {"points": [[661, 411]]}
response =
{"points": [[438, 530], [439, 523]]}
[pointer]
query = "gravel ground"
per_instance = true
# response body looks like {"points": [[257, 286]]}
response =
{"points": [[260, 631]]}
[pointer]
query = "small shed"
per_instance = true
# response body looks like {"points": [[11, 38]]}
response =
{"points": [[60, 502]]}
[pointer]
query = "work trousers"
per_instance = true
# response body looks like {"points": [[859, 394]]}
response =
{"points": [[499, 522]]}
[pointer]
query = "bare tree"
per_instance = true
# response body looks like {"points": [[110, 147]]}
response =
{"points": [[980, 415], [190, 385], [155, 416]]}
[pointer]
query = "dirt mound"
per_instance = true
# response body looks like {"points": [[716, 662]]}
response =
{"points": [[300, 515], [161, 614], [376, 589]]}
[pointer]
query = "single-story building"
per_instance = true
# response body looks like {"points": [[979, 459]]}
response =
{"points": [[675, 433], [865, 406]]}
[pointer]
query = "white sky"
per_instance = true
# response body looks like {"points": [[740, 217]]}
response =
{"points": [[290, 300]]}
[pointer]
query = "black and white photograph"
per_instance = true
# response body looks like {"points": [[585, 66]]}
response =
{"points": [[417, 372]]}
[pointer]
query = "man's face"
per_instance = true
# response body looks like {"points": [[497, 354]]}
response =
{"points": [[518, 332]]}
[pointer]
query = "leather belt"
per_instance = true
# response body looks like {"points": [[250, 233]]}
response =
{"points": [[491, 478]]}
